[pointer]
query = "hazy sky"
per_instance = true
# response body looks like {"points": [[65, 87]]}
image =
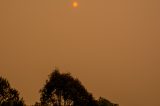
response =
{"points": [[112, 46]]}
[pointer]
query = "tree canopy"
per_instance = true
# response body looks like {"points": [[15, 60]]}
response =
{"points": [[9, 96], [64, 90]]}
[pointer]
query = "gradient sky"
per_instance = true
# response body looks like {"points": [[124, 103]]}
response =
{"points": [[112, 46]]}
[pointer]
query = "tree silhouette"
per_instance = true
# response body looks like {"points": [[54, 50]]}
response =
{"points": [[64, 90], [8, 95]]}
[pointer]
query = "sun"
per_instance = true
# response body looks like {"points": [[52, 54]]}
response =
{"points": [[75, 4]]}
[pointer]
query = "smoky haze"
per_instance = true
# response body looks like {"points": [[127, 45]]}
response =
{"points": [[111, 46]]}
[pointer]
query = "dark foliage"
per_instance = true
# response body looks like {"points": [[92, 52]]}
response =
{"points": [[63, 89], [8, 95]]}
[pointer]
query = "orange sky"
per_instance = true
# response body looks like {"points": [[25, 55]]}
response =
{"points": [[112, 46]]}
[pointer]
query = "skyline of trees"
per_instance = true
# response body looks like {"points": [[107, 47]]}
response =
{"points": [[60, 89]]}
